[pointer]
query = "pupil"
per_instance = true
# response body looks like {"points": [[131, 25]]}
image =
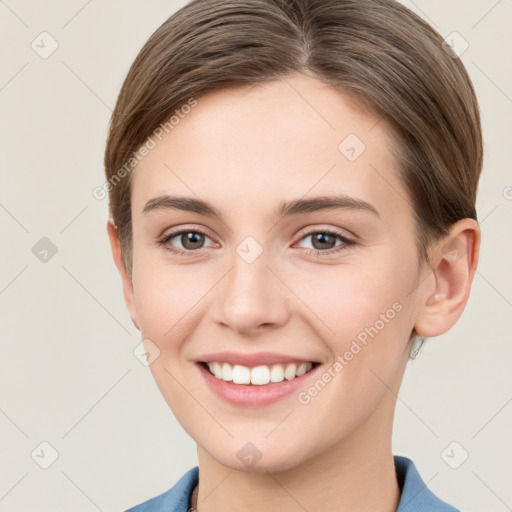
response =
{"points": [[322, 237], [189, 240]]}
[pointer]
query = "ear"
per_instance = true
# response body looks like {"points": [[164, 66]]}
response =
{"points": [[455, 259], [115, 244]]}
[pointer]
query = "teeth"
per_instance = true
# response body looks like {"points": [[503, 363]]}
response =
{"points": [[301, 369], [216, 369], [227, 372], [277, 373], [258, 375], [289, 372], [241, 374]]}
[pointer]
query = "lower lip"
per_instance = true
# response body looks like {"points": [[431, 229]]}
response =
{"points": [[251, 395]]}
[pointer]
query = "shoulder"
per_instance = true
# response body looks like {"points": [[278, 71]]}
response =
{"points": [[176, 499], [416, 496]]}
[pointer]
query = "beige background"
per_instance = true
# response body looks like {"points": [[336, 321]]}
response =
{"points": [[68, 376]]}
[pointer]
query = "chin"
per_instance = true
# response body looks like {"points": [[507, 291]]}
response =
{"points": [[249, 459]]}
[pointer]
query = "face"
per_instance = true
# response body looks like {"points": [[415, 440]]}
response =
{"points": [[335, 283]]}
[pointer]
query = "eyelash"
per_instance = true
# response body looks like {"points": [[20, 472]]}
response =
{"points": [[347, 242]]}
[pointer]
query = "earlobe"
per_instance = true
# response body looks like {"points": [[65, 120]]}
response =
{"points": [[115, 245], [456, 257]]}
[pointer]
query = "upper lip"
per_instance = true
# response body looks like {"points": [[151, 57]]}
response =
{"points": [[251, 360]]}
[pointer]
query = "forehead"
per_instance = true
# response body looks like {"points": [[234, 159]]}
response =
{"points": [[279, 140]]}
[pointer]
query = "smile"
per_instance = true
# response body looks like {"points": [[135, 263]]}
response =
{"points": [[257, 375]]}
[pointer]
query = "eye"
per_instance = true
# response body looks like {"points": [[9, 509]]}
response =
{"points": [[192, 240], [324, 242]]}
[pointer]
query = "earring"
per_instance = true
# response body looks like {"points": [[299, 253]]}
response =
{"points": [[416, 346]]}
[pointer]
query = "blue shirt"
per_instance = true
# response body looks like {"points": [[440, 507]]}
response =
{"points": [[415, 497]]}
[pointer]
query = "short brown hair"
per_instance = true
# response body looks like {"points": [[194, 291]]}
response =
{"points": [[376, 50]]}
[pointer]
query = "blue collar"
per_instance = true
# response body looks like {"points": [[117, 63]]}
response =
{"points": [[416, 496]]}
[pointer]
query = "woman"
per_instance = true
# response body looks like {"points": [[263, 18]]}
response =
{"points": [[292, 191]]}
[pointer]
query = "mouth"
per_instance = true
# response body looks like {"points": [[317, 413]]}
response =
{"points": [[261, 375]]}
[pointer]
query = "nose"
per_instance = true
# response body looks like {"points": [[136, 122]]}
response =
{"points": [[251, 297]]}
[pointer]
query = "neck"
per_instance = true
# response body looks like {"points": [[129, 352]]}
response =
{"points": [[355, 475]]}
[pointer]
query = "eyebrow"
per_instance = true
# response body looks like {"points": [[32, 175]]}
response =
{"points": [[285, 208]]}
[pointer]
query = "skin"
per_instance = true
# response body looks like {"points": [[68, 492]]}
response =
{"points": [[246, 150]]}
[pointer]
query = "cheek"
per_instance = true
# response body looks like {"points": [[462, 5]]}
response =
{"points": [[357, 299], [369, 312], [368, 352], [163, 298]]}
